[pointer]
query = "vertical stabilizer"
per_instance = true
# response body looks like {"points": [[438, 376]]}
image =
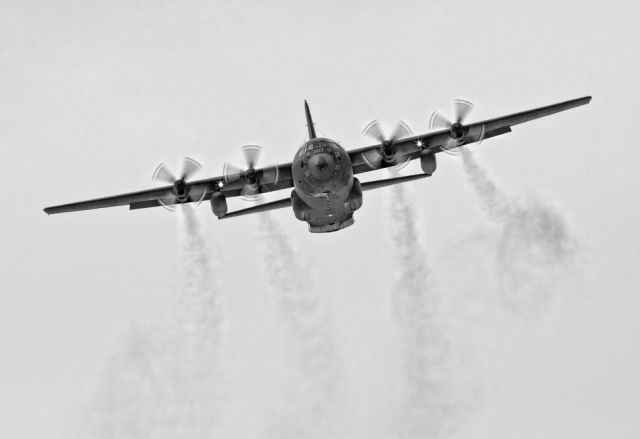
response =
{"points": [[310, 127]]}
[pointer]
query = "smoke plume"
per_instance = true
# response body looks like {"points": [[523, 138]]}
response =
{"points": [[311, 364], [535, 248], [163, 383], [430, 405]]}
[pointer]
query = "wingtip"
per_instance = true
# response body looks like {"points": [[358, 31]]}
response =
{"points": [[584, 100]]}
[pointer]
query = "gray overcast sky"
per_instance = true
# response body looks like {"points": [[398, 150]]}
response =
{"points": [[95, 94]]}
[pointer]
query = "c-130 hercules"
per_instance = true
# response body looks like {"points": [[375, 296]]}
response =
{"points": [[325, 192]]}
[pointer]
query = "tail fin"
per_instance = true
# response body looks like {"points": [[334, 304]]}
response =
{"points": [[310, 127]]}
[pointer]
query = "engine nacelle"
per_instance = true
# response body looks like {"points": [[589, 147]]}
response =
{"points": [[219, 204], [428, 163], [457, 131], [180, 190]]}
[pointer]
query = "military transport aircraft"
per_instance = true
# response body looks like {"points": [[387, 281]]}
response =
{"points": [[325, 192]]}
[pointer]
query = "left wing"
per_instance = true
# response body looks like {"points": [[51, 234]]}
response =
{"points": [[414, 147], [200, 190]]}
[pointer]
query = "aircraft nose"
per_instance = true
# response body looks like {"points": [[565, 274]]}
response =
{"points": [[321, 166]]}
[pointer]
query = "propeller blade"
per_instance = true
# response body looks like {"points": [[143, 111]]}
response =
{"points": [[270, 175], [482, 133], [197, 197], [250, 194], [163, 174], [438, 121], [402, 163], [169, 204], [374, 130], [251, 155], [401, 131], [450, 146], [231, 173], [461, 109], [372, 158], [189, 167]]}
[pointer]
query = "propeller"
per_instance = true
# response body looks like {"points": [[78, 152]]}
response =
{"points": [[386, 154], [461, 109], [252, 179], [182, 191]]}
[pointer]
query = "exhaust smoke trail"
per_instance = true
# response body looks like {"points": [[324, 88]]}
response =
{"points": [[164, 382], [312, 368], [535, 249], [200, 316], [430, 404]]}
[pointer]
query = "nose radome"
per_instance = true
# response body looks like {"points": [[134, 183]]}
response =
{"points": [[321, 166]]}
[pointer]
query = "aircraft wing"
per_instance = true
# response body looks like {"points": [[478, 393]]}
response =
{"points": [[414, 147], [409, 148], [200, 190]]}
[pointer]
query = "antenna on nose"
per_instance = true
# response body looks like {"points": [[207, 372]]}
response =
{"points": [[310, 127]]}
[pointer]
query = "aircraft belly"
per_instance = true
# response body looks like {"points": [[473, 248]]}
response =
{"points": [[327, 212], [327, 205]]}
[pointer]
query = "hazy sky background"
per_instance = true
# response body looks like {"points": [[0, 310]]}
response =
{"points": [[95, 94]]}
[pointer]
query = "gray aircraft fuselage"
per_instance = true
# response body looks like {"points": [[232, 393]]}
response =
{"points": [[325, 191]]}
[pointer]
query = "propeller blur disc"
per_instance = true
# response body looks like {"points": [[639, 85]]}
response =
{"points": [[461, 110], [374, 158], [252, 180], [164, 175]]}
